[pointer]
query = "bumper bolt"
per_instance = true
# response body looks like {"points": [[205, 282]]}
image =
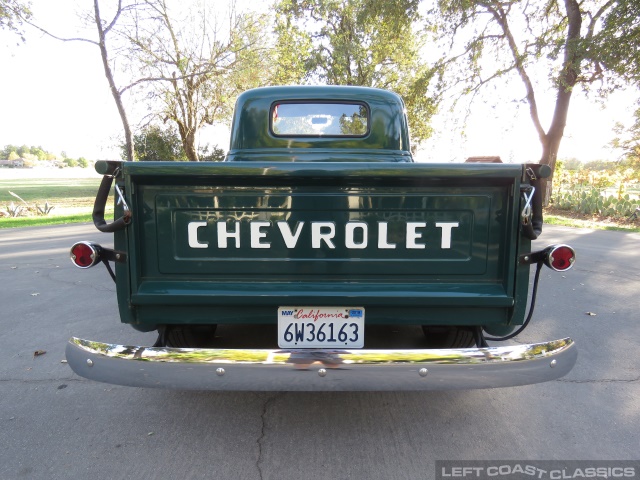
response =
{"points": [[322, 372], [423, 372], [553, 363], [89, 362], [220, 371]]}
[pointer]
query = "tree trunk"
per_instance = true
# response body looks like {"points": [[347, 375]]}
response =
{"points": [[550, 147], [128, 137], [566, 82], [189, 145]]}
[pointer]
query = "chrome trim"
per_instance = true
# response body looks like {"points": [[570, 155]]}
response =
{"points": [[321, 370]]}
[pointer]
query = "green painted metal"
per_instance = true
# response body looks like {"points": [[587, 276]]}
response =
{"points": [[251, 135], [471, 282], [389, 251]]}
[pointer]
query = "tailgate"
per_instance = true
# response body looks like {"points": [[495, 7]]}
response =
{"points": [[323, 233]]}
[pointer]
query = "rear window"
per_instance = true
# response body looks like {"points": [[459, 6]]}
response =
{"points": [[320, 119]]}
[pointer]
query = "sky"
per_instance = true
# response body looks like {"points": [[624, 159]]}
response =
{"points": [[54, 94]]}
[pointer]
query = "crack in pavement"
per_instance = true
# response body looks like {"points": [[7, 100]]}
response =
{"points": [[265, 407], [603, 380]]}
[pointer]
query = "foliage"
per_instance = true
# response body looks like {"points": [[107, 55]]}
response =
{"points": [[357, 42], [628, 139], [617, 43], [12, 14], [611, 191], [104, 29], [33, 154], [592, 201], [45, 209], [163, 143], [13, 210], [156, 143], [509, 40], [13, 152], [215, 155], [193, 68]]}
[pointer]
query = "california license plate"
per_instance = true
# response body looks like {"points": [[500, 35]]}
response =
{"points": [[321, 327]]}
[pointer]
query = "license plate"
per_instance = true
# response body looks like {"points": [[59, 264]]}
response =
{"points": [[321, 327]]}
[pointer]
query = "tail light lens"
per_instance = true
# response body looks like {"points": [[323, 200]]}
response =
{"points": [[560, 257], [85, 254]]}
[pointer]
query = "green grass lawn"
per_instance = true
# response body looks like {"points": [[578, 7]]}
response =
{"points": [[72, 197], [65, 192]]}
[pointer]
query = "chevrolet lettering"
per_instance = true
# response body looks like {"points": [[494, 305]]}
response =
{"points": [[318, 256], [354, 235]]}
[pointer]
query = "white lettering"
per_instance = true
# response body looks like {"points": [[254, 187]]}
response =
{"points": [[356, 234], [412, 235], [256, 234], [290, 239], [446, 232], [223, 234], [350, 234], [517, 469], [382, 236], [192, 234], [317, 236]]}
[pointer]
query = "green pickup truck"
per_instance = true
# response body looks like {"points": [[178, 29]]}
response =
{"points": [[320, 256]]}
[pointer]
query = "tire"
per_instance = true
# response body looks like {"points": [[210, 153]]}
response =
{"points": [[449, 337], [192, 336]]}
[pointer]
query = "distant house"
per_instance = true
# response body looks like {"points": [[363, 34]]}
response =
{"points": [[489, 159], [17, 163]]}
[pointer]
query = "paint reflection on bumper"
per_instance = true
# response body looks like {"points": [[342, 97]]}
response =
{"points": [[321, 370]]}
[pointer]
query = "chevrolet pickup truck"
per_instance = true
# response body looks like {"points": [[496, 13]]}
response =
{"points": [[320, 256]]}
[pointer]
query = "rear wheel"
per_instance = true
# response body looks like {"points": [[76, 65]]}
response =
{"points": [[449, 337], [190, 336]]}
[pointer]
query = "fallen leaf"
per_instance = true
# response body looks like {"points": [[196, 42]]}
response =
{"points": [[13, 268], [35, 294], [63, 361], [149, 434], [591, 314], [37, 353]]}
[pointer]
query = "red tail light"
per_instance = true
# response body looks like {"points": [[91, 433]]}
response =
{"points": [[560, 257], [85, 254]]}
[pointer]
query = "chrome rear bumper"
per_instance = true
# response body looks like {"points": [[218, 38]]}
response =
{"points": [[321, 370]]}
